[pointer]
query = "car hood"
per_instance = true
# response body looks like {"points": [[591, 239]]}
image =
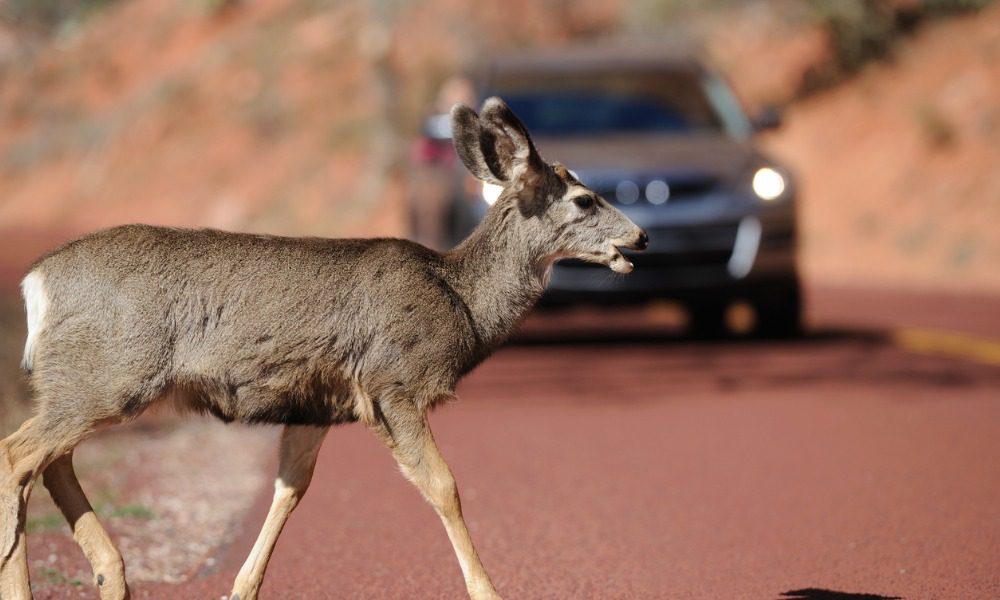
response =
{"points": [[718, 156]]}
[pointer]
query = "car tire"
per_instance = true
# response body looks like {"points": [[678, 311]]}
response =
{"points": [[779, 312]]}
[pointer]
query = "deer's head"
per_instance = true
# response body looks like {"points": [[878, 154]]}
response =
{"points": [[563, 217]]}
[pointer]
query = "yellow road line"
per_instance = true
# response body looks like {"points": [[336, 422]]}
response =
{"points": [[948, 343]]}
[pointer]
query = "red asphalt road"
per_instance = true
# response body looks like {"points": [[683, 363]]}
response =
{"points": [[675, 469]]}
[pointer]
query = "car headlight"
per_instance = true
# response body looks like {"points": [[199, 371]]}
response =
{"points": [[768, 184], [491, 192]]}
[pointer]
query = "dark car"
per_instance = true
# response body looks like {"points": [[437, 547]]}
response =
{"points": [[664, 139]]}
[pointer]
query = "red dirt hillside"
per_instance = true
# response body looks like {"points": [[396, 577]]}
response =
{"points": [[284, 116], [901, 168]]}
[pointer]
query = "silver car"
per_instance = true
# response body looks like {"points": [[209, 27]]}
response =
{"points": [[664, 139]]}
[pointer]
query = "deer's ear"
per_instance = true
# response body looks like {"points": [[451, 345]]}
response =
{"points": [[495, 147], [467, 136], [510, 154], [505, 143]]}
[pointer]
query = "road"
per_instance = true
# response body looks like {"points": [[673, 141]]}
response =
{"points": [[651, 466]]}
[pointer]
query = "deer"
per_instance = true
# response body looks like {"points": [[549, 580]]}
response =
{"points": [[306, 333]]}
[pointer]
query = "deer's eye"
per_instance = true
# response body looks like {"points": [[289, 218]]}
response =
{"points": [[584, 202]]}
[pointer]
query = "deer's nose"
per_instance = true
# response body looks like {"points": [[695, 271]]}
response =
{"points": [[643, 242]]}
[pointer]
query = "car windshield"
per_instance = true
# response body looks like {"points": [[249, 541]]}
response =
{"points": [[619, 102]]}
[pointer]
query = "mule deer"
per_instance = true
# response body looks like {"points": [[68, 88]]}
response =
{"points": [[308, 333]]}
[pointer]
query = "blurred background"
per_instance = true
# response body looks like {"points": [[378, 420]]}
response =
{"points": [[298, 117], [316, 117]]}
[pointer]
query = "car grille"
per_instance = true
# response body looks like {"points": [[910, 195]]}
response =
{"points": [[650, 190]]}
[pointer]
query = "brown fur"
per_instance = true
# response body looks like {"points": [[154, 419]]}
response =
{"points": [[294, 331]]}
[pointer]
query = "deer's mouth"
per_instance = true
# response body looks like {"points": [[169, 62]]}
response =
{"points": [[612, 258], [617, 261]]}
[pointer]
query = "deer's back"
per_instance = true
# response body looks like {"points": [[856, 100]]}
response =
{"points": [[251, 328]]}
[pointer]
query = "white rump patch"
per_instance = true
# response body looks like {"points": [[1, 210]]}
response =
{"points": [[36, 304]]}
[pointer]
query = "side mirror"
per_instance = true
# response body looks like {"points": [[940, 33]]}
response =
{"points": [[766, 119]]}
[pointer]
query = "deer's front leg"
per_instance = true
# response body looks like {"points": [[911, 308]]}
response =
{"points": [[299, 446], [406, 431]]}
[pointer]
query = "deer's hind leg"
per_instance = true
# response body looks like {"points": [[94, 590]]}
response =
{"points": [[300, 445], [23, 456], [105, 559]]}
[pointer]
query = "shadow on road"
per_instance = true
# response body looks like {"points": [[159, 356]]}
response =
{"points": [[618, 336], [642, 362], [818, 594]]}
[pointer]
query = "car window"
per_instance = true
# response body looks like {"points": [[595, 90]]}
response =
{"points": [[594, 112], [619, 102]]}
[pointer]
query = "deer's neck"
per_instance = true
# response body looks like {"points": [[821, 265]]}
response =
{"points": [[499, 272]]}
